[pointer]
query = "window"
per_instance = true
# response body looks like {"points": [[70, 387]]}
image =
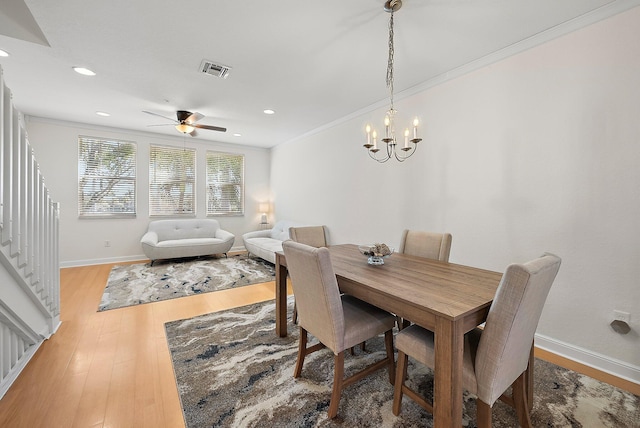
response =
{"points": [[106, 178], [225, 184], [172, 173]]}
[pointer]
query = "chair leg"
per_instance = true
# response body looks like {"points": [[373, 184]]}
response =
{"points": [[388, 342], [338, 377], [302, 352], [402, 323], [483, 414], [520, 400], [363, 348], [401, 375], [294, 317], [400, 388], [529, 377]]}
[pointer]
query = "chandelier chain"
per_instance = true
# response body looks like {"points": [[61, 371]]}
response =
{"points": [[392, 147], [390, 61]]}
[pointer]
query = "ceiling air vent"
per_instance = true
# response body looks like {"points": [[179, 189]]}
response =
{"points": [[209, 67]]}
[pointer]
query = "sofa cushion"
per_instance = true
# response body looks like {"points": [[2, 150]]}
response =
{"points": [[280, 230], [184, 228], [189, 242], [265, 243]]}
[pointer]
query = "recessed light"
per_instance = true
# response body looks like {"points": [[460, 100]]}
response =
{"points": [[237, 135], [269, 111], [4, 53], [103, 113], [84, 71]]}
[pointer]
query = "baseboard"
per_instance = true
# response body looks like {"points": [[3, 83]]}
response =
{"points": [[141, 258], [53, 327], [89, 262], [589, 358]]}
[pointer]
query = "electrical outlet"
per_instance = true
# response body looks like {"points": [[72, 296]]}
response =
{"points": [[107, 243], [621, 316]]}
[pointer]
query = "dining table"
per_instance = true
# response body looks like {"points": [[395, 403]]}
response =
{"points": [[446, 298]]}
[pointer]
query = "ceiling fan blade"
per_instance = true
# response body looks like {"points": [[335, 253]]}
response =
{"points": [[193, 118], [163, 124], [159, 115], [212, 128]]}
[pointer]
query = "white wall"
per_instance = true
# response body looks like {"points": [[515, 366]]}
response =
{"points": [[82, 240], [538, 152]]}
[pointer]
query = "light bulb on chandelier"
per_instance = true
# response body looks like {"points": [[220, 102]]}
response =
{"points": [[391, 143]]}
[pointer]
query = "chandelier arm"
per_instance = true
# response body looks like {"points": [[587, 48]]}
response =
{"points": [[401, 158], [379, 160]]}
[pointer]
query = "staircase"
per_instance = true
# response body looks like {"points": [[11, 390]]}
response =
{"points": [[29, 264]]}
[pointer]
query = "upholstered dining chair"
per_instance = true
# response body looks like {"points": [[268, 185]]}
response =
{"points": [[315, 236], [497, 356], [337, 322], [429, 245]]}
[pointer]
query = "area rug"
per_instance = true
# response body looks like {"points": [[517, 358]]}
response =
{"points": [[233, 371], [142, 283]]}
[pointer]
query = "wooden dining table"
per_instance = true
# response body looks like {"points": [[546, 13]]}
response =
{"points": [[446, 298]]}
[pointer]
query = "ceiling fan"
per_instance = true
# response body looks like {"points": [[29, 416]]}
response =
{"points": [[186, 122]]}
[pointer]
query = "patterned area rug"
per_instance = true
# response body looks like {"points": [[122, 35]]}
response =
{"points": [[232, 370], [141, 283]]}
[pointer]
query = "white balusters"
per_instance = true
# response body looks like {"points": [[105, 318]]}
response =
{"points": [[29, 236], [7, 157]]}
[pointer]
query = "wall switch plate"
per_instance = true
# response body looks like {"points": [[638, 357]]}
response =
{"points": [[107, 243]]}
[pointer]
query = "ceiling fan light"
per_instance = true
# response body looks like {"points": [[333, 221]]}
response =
{"points": [[185, 128]]}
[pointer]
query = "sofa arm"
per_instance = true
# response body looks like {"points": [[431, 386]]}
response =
{"points": [[225, 235], [150, 238], [257, 234]]}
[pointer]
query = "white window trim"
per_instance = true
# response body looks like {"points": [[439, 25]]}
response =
{"points": [[154, 210], [107, 214], [209, 183]]}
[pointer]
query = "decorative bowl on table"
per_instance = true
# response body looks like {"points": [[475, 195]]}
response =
{"points": [[376, 253]]}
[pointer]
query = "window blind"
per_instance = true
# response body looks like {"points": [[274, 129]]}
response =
{"points": [[106, 177], [171, 181], [225, 184]]}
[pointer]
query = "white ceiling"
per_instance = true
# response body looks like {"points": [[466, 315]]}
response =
{"points": [[313, 62]]}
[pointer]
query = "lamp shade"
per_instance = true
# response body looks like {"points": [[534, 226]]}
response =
{"points": [[264, 209]]}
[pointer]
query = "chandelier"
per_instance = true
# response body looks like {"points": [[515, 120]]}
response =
{"points": [[392, 149]]}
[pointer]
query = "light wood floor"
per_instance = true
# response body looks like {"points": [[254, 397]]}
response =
{"points": [[113, 368]]}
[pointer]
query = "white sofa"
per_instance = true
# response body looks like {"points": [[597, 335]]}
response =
{"points": [[265, 243], [175, 238]]}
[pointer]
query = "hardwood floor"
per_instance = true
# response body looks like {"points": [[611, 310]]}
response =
{"points": [[113, 368]]}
